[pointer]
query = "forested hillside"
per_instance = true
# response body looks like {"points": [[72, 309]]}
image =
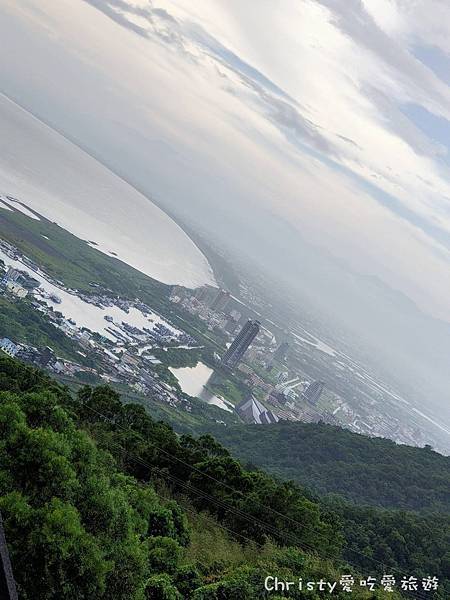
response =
{"points": [[100, 501], [331, 460]]}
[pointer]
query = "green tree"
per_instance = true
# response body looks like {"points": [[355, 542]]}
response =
{"points": [[160, 587]]}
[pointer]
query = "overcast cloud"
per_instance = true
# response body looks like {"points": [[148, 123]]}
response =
{"points": [[348, 71], [318, 112], [310, 135]]}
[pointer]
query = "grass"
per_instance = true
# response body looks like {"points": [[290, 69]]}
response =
{"points": [[73, 261], [228, 387], [23, 324], [78, 265]]}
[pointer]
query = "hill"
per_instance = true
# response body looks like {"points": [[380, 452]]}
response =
{"points": [[100, 501], [331, 460]]}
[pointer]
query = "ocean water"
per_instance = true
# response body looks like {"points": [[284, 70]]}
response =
{"points": [[54, 177]]}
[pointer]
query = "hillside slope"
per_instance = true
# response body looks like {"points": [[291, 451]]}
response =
{"points": [[100, 501], [331, 460]]}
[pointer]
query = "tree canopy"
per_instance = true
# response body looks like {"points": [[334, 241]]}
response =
{"points": [[101, 501], [332, 460]]}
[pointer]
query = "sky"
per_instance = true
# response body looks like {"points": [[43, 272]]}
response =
{"points": [[42, 169], [365, 108], [333, 115], [313, 135]]}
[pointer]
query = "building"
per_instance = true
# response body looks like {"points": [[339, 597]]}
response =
{"points": [[281, 352], [231, 326], [313, 392], [20, 278], [220, 301], [235, 315], [12, 274], [177, 293], [28, 282], [130, 360], [45, 356], [252, 411], [8, 347], [202, 293], [240, 344], [15, 288], [37, 356]]}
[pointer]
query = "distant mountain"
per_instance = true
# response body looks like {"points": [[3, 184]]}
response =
{"points": [[331, 460]]}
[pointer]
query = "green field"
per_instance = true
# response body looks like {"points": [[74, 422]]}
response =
{"points": [[78, 265], [228, 386], [23, 324], [73, 261]]}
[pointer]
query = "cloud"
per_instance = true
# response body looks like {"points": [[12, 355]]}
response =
{"points": [[422, 21], [298, 113], [395, 159], [412, 77]]}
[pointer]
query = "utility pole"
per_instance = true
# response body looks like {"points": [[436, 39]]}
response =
{"points": [[7, 584]]}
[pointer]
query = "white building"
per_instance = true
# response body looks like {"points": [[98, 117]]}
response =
{"points": [[16, 289], [252, 411], [8, 347]]}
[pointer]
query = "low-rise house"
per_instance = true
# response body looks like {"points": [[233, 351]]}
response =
{"points": [[9, 347], [16, 289]]}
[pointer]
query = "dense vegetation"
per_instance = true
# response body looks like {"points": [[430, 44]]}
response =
{"points": [[331, 460], [182, 419], [178, 357], [87, 488], [414, 543], [101, 501], [24, 324]]}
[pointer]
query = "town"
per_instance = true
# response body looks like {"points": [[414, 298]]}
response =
{"points": [[254, 369]]}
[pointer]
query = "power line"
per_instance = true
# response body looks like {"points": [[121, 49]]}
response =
{"points": [[172, 457], [303, 545], [207, 475], [235, 510], [250, 518]]}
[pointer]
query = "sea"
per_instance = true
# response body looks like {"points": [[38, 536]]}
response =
{"points": [[54, 177]]}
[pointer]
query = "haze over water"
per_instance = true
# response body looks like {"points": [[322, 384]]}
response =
{"points": [[55, 178], [321, 160]]}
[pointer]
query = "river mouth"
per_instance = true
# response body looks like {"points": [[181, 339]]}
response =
{"points": [[194, 381]]}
